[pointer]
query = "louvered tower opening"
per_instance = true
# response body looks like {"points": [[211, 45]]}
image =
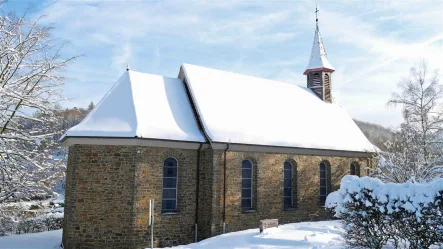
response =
{"points": [[316, 85], [328, 97]]}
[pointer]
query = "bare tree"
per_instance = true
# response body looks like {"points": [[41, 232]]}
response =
{"points": [[30, 90], [416, 152]]}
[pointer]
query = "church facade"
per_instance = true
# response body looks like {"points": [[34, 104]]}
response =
{"points": [[216, 151]]}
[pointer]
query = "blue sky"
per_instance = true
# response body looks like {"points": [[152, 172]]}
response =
{"points": [[372, 44]]}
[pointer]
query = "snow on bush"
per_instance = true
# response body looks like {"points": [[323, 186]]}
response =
{"points": [[375, 213], [18, 219], [44, 222]]}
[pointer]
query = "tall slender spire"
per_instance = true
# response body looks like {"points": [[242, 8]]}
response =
{"points": [[319, 70], [316, 16], [318, 59]]}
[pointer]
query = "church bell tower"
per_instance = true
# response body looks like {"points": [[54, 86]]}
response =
{"points": [[319, 69]]}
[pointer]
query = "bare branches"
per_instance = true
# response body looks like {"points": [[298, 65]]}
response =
{"points": [[30, 87], [416, 151], [420, 97]]}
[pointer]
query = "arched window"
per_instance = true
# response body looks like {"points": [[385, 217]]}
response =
{"points": [[246, 185], [169, 198], [323, 182], [354, 169], [289, 181]]}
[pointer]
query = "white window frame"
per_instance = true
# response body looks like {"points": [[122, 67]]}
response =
{"points": [[251, 188], [176, 187], [326, 182], [292, 184]]}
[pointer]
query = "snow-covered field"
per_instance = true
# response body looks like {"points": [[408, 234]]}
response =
{"points": [[322, 234], [44, 240]]}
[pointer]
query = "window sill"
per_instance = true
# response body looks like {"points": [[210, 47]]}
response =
{"points": [[290, 209], [248, 211], [171, 213]]}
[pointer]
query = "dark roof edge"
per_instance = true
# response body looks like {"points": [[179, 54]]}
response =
{"points": [[290, 150], [184, 78], [136, 141]]}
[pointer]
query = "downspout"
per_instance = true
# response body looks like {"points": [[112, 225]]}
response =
{"points": [[197, 189], [224, 189]]}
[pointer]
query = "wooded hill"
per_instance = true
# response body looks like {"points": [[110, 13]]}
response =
{"points": [[375, 133]]}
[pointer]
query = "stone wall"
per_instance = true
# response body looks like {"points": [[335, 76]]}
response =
{"points": [[172, 228], [99, 197], [269, 187], [108, 192], [109, 188]]}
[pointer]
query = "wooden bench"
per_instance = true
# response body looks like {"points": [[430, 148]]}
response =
{"points": [[268, 223]]}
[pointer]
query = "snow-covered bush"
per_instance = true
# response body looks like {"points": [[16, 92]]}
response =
{"points": [[52, 221], [29, 225], [375, 213], [7, 225], [18, 218], [44, 222], [10, 215]]}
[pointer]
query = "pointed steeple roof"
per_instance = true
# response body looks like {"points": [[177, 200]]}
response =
{"points": [[318, 60]]}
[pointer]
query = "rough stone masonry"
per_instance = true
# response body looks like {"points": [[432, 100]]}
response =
{"points": [[109, 188]]}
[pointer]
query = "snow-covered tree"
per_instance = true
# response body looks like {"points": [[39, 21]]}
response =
{"points": [[90, 106], [30, 91], [415, 152]]}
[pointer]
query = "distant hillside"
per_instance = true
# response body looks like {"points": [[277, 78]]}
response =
{"points": [[375, 133]]}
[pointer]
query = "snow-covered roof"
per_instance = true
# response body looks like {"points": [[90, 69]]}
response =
{"points": [[318, 59], [233, 108], [242, 109], [142, 105]]}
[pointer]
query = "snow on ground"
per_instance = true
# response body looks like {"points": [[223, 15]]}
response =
{"points": [[44, 240], [322, 234]]}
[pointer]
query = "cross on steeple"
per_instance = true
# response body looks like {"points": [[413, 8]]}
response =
{"points": [[316, 15]]}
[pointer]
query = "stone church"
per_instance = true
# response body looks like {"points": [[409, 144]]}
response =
{"points": [[216, 151]]}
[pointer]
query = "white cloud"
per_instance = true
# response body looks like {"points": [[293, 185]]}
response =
{"points": [[122, 56], [372, 44]]}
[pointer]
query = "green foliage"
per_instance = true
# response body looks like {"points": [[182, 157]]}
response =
{"points": [[34, 207]]}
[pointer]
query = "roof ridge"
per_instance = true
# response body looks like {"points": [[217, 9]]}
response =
{"points": [[245, 75]]}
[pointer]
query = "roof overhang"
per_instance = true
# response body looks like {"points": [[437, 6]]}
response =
{"points": [[131, 141], [146, 142], [324, 69], [291, 150]]}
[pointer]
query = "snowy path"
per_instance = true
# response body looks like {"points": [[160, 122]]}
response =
{"points": [[323, 234]]}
